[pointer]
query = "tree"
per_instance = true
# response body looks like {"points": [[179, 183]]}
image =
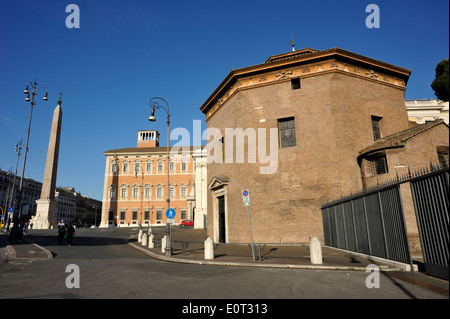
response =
{"points": [[440, 83]]}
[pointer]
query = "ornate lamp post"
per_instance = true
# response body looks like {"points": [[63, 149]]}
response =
{"points": [[155, 105], [33, 103]]}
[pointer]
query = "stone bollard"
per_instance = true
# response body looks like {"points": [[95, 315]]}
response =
{"points": [[163, 244], [140, 236], [315, 250], [209, 248], [144, 239], [151, 244]]}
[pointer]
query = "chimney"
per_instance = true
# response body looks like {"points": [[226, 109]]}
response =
{"points": [[148, 139]]}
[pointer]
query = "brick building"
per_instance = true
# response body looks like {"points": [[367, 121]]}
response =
{"points": [[135, 187], [327, 108]]}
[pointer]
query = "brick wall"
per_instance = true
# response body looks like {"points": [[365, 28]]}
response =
{"points": [[332, 123]]}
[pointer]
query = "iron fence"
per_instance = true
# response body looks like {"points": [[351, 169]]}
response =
{"points": [[372, 222], [431, 200]]}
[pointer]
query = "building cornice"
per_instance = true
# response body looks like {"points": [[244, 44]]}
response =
{"points": [[306, 63]]}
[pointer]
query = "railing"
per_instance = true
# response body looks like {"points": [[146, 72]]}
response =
{"points": [[372, 222]]}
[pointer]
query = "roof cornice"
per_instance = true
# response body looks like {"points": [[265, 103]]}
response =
{"points": [[307, 58]]}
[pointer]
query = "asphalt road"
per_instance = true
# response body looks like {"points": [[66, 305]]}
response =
{"points": [[110, 268]]}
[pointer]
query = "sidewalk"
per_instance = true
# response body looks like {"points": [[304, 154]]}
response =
{"points": [[272, 255], [279, 256], [23, 249]]}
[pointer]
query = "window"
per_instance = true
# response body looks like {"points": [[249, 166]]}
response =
{"points": [[295, 84], [376, 127], [159, 214], [135, 192], [122, 215], [172, 166], [172, 191], [125, 167], [377, 164], [287, 132], [183, 191], [146, 215], [137, 167], [148, 192], [442, 153], [183, 214], [184, 166], [114, 168], [135, 214], [159, 192], [160, 166], [148, 167], [112, 193], [124, 193], [111, 215]]}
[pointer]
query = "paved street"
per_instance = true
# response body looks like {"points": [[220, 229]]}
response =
{"points": [[110, 268]]}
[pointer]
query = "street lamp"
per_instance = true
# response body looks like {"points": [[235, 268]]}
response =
{"points": [[155, 106], [33, 103], [10, 199]]}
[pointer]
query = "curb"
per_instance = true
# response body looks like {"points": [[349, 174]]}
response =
{"points": [[392, 263], [11, 252], [238, 264]]}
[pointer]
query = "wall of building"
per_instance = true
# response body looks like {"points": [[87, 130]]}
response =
{"points": [[142, 180], [418, 153], [332, 123]]}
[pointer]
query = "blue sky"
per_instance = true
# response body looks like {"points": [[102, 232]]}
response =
{"points": [[126, 52]]}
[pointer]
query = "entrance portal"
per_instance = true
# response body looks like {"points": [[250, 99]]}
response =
{"points": [[222, 238]]}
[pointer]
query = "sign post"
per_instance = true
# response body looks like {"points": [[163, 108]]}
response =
{"points": [[170, 214], [246, 201]]}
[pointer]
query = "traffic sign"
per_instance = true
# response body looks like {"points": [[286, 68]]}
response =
{"points": [[170, 213], [11, 210], [246, 197], [170, 220]]}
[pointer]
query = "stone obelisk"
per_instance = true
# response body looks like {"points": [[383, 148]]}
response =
{"points": [[46, 206]]}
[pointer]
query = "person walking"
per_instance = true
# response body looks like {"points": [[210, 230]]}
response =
{"points": [[70, 233], [25, 228], [61, 234]]}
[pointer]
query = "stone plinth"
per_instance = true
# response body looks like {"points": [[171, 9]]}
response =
{"points": [[45, 214], [209, 248], [315, 251]]}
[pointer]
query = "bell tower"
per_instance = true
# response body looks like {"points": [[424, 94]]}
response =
{"points": [[148, 138]]}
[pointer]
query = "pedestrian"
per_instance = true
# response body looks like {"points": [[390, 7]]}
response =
{"points": [[25, 228], [20, 230], [70, 233], [61, 234]]}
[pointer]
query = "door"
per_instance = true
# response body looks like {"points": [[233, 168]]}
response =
{"points": [[221, 203]]}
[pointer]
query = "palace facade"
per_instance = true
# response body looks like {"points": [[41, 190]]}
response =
{"points": [[135, 188]]}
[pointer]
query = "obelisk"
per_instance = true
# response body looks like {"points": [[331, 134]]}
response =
{"points": [[46, 206]]}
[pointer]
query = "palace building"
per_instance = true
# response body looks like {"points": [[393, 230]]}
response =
{"points": [[340, 124], [135, 188]]}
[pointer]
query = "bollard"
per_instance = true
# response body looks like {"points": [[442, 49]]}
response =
{"points": [[140, 236], [144, 239], [209, 248], [315, 250], [151, 244], [163, 244]]}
